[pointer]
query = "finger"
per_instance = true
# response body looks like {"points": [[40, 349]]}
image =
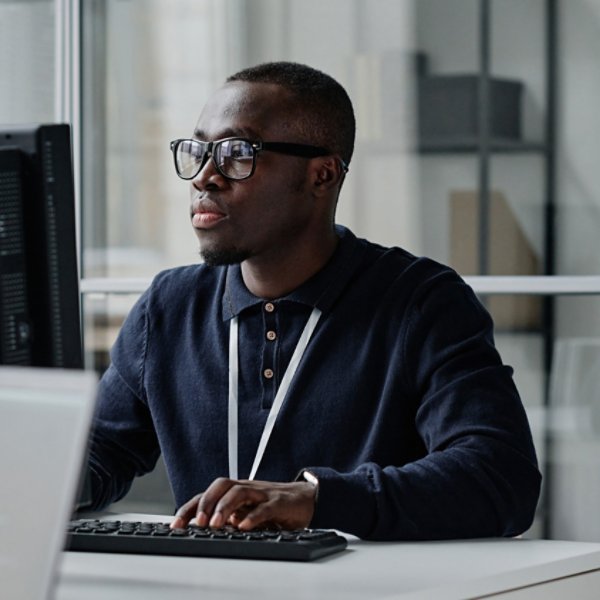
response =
{"points": [[214, 493], [238, 516], [238, 497], [292, 510], [185, 512], [264, 515]]}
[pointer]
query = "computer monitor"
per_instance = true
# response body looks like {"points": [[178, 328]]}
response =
{"points": [[39, 283]]}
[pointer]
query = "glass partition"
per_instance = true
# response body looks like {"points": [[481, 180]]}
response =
{"points": [[27, 61], [149, 66]]}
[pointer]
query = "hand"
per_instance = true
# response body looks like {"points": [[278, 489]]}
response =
{"points": [[250, 504]]}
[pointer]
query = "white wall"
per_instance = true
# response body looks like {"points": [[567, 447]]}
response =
{"points": [[578, 219], [26, 61], [576, 476]]}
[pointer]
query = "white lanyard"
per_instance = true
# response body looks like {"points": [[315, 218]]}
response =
{"points": [[279, 397]]}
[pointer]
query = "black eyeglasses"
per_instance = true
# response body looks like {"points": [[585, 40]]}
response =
{"points": [[234, 158]]}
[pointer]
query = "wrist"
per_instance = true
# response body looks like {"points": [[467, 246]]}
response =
{"points": [[310, 477]]}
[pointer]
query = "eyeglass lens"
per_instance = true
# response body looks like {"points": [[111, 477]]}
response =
{"points": [[233, 158]]}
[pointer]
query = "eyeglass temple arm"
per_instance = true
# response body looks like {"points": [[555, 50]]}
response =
{"points": [[304, 150]]}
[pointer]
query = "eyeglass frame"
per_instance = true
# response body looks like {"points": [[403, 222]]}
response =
{"points": [[288, 148]]}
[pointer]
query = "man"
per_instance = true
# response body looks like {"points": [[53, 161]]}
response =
{"points": [[301, 376]]}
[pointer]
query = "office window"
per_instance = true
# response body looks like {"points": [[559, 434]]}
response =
{"points": [[149, 65], [27, 61]]}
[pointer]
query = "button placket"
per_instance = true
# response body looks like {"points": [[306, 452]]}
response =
{"points": [[269, 355]]}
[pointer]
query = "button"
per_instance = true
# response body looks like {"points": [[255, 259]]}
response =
{"points": [[269, 307], [271, 335], [268, 373]]}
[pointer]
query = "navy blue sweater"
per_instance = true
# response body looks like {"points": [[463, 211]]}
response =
{"points": [[401, 405]]}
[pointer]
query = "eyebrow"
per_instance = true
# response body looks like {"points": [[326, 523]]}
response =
{"points": [[226, 133]]}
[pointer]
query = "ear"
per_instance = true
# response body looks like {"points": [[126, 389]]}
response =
{"points": [[326, 174]]}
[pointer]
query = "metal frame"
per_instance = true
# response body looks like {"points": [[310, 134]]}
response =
{"points": [[548, 288], [484, 132], [67, 96], [535, 285]]}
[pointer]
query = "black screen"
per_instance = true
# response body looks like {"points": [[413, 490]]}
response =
{"points": [[39, 284]]}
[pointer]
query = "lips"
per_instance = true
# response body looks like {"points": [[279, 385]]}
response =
{"points": [[206, 214], [206, 220]]}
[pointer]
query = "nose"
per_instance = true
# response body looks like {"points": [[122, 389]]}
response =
{"points": [[208, 177]]}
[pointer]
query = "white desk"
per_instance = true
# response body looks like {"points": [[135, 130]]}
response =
{"points": [[509, 569]]}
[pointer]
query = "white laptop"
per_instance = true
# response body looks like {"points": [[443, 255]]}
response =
{"points": [[45, 416]]}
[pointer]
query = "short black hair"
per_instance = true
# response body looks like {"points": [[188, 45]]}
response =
{"points": [[325, 116]]}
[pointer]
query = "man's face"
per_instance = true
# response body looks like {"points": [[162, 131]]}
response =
{"points": [[259, 217]]}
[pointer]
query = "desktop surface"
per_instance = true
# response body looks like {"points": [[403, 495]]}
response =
{"points": [[374, 570]]}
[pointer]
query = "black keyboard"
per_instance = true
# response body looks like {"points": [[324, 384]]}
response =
{"points": [[86, 535]]}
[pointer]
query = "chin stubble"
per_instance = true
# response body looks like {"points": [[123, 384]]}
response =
{"points": [[215, 257]]}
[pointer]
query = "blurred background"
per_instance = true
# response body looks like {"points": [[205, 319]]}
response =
{"points": [[478, 145]]}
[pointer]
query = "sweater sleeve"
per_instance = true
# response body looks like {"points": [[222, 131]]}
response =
{"points": [[123, 442], [479, 477]]}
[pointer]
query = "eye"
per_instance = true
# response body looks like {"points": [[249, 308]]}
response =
{"points": [[196, 150], [237, 150], [192, 150]]}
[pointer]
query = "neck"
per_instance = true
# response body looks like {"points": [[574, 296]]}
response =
{"points": [[275, 276]]}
